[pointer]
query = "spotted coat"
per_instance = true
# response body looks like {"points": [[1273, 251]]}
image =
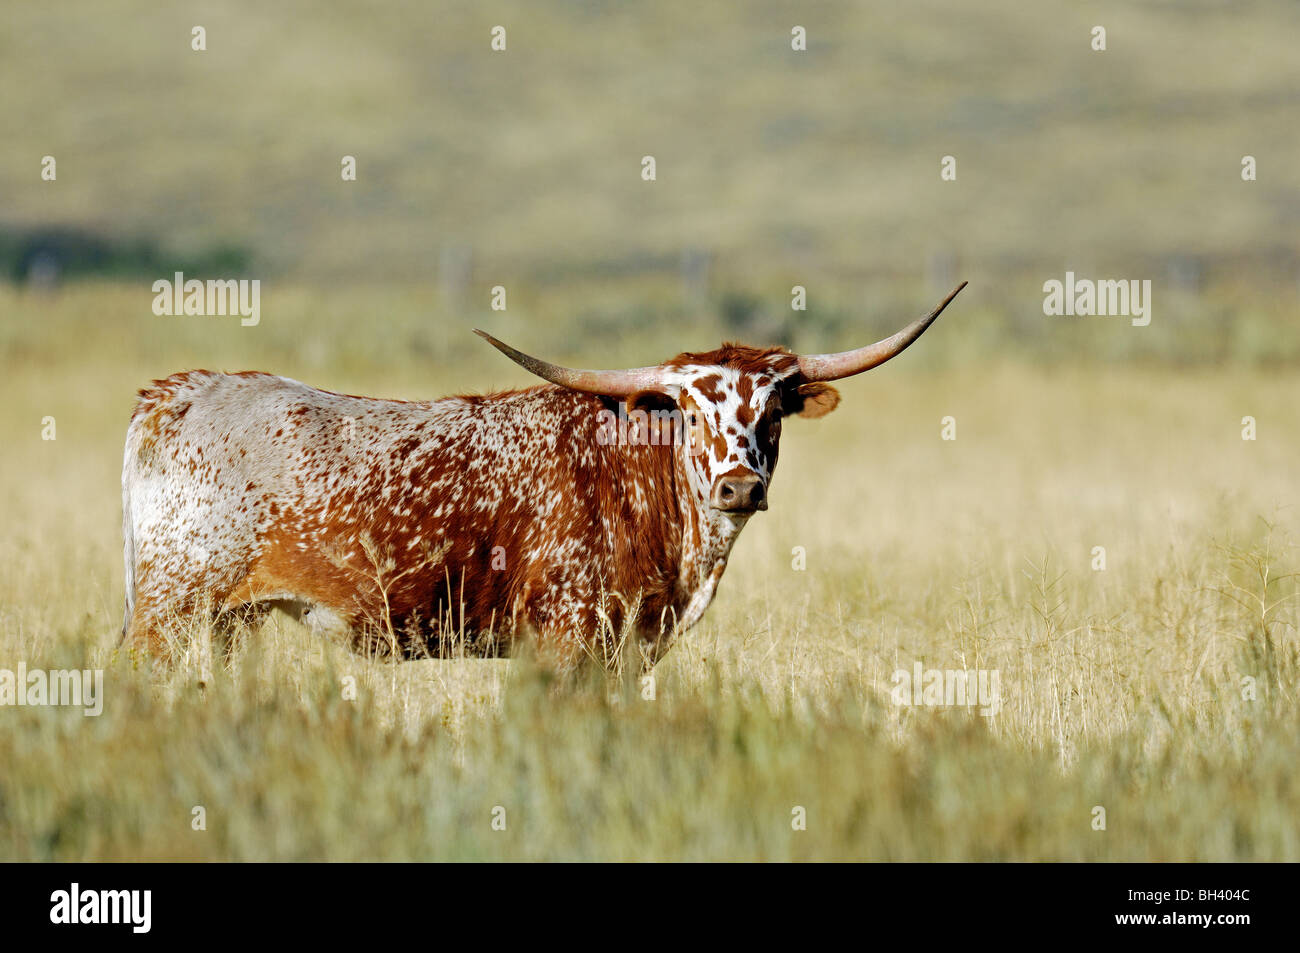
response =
{"points": [[466, 523]]}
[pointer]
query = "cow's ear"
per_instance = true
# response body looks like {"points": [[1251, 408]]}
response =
{"points": [[657, 427], [649, 400], [818, 400]]}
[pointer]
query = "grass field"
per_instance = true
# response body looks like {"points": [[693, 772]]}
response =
{"points": [[1121, 689]]}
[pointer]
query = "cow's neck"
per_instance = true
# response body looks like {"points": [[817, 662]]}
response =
{"points": [[705, 545], [681, 536]]}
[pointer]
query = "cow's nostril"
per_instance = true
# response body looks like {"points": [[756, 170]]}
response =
{"points": [[742, 494]]}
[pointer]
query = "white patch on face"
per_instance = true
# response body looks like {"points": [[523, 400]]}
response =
{"points": [[721, 419]]}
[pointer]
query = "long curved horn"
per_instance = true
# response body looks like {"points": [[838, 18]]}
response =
{"points": [[832, 367], [623, 383]]}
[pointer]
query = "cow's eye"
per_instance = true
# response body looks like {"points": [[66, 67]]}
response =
{"points": [[692, 420]]}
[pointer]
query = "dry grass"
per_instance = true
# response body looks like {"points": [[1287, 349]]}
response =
{"points": [[1121, 688]]}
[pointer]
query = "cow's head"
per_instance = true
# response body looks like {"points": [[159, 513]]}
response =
{"points": [[724, 408]]}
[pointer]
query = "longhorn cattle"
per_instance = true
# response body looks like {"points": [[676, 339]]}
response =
{"points": [[600, 502]]}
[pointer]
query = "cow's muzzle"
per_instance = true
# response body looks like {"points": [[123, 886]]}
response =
{"points": [[740, 493]]}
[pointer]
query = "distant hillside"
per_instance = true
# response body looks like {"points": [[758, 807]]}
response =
{"points": [[770, 162]]}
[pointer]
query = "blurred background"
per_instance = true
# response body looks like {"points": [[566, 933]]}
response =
{"points": [[774, 168]]}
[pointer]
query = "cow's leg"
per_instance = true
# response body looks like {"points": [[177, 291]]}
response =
{"points": [[144, 632], [560, 651], [154, 628], [179, 592], [559, 635]]}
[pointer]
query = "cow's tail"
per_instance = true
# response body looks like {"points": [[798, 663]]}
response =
{"points": [[128, 532]]}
